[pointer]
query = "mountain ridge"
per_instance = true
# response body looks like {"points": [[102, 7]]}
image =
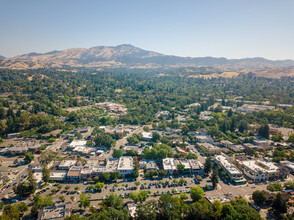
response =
{"points": [[129, 56]]}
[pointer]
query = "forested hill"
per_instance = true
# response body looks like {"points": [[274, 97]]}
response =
{"points": [[129, 56], [2, 57]]}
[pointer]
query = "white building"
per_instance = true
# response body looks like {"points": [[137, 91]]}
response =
{"points": [[67, 164], [258, 170], [149, 164], [169, 165], [203, 139], [125, 165], [254, 108], [146, 136], [233, 172], [59, 176], [77, 143]]}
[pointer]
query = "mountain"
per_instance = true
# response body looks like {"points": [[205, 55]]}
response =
{"points": [[2, 57], [128, 56]]}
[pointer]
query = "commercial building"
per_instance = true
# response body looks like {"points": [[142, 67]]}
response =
{"points": [[74, 173], [146, 136], [149, 164], [77, 143], [66, 164], [58, 176], [169, 165], [86, 173], [254, 108], [196, 166], [58, 212], [257, 170], [210, 148], [203, 139], [235, 175], [125, 165]]}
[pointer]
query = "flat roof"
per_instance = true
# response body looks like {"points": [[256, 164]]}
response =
{"points": [[125, 163], [223, 161], [258, 165]]}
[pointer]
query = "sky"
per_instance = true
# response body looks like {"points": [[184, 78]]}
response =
{"points": [[189, 28]]}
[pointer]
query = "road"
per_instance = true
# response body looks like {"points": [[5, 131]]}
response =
{"points": [[123, 141]]}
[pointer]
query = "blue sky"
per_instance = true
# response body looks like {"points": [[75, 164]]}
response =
{"points": [[196, 28]]}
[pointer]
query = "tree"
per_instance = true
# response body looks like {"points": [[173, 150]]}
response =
{"points": [[102, 139], [230, 112], [115, 175], [258, 197], [77, 188], [99, 186], [26, 188], [275, 187], [61, 198], [113, 201], [59, 187], [264, 130], [47, 156], [15, 211], [181, 168], [117, 153], [191, 156], [84, 201], [208, 165], [45, 174], [29, 157], [277, 137], [185, 129], [214, 179], [147, 211], [291, 138], [105, 177], [155, 137], [196, 193], [183, 196], [169, 206], [279, 205], [51, 140], [289, 185], [146, 128]]}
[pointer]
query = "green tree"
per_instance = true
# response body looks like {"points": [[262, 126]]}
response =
{"points": [[29, 157], [117, 153], [258, 197], [146, 128], [112, 200], [47, 156], [99, 186], [208, 165], [279, 205], [214, 178], [147, 211], [45, 173], [181, 168], [275, 187], [196, 193], [84, 201], [291, 138], [264, 130], [183, 196], [155, 136], [277, 137]]}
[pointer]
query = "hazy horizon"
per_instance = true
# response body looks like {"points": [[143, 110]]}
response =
{"points": [[230, 29]]}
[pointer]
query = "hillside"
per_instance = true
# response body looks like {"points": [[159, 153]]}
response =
{"points": [[128, 56], [2, 57]]}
